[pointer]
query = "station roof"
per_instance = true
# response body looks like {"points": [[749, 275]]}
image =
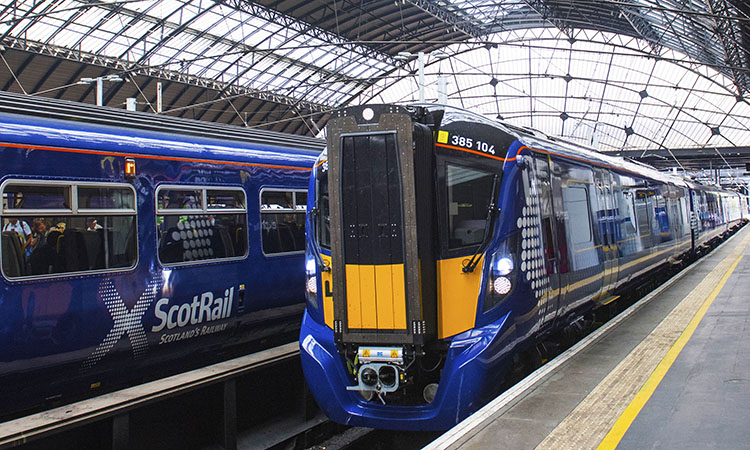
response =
{"points": [[623, 75]]}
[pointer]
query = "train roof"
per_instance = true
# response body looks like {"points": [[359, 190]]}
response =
{"points": [[46, 122], [533, 138], [42, 107]]}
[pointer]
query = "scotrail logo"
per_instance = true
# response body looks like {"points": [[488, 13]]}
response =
{"points": [[204, 308]]}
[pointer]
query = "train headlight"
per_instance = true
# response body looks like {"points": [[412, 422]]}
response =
{"points": [[502, 272], [503, 266], [312, 285], [501, 285], [311, 282], [310, 266]]}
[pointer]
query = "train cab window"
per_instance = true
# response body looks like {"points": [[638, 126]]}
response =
{"points": [[199, 224], [322, 215], [282, 214], [468, 195], [55, 228]]}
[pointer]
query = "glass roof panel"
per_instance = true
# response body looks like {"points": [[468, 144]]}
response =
{"points": [[591, 91], [210, 43], [602, 87]]}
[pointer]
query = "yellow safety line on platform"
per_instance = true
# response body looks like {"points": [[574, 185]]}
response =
{"points": [[612, 439], [595, 417]]}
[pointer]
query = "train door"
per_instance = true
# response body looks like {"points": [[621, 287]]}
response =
{"points": [[556, 175], [581, 249], [380, 185], [549, 298], [606, 215]]}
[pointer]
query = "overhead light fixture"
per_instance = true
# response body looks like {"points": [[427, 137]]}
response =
{"points": [[403, 56], [439, 54]]}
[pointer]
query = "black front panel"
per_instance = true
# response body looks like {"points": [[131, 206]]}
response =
{"points": [[371, 200]]}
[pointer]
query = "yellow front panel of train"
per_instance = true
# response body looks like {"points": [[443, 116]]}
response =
{"points": [[376, 297], [458, 296], [326, 282]]}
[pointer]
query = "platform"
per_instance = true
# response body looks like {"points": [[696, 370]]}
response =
{"points": [[673, 371]]}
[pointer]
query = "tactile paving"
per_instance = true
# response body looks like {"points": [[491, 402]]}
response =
{"points": [[592, 419]]}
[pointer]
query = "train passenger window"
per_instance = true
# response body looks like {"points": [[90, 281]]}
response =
{"points": [[627, 238], [226, 199], [642, 208], [577, 205], [469, 192], [198, 224], [105, 198], [282, 214], [36, 197], [65, 228], [180, 199]]}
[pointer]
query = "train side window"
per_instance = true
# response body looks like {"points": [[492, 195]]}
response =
{"points": [[468, 196], [53, 228], [627, 222], [576, 202], [282, 214], [200, 224], [642, 208]]}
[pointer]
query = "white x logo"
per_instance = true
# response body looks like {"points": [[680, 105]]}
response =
{"points": [[126, 322]]}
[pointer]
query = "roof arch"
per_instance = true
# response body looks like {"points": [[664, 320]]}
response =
{"points": [[286, 64]]}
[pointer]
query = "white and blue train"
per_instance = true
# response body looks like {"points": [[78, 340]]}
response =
{"points": [[443, 244], [134, 244]]}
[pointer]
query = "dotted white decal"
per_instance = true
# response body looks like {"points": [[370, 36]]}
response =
{"points": [[125, 321], [530, 223]]}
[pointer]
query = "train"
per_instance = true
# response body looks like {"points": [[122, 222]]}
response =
{"points": [[442, 245], [135, 245]]}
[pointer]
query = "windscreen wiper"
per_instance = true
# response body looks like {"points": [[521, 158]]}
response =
{"points": [[471, 264]]}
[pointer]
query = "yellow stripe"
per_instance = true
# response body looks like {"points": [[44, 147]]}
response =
{"points": [[399, 297], [613, 438], [376, 296], [353, 306], [326, 279], [384, 289], [367, 296]]}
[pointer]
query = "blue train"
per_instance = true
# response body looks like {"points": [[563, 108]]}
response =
{"points": [[134, 244], [441, 244]]}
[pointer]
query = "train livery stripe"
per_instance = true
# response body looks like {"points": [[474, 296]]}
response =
{"points": [[486, 155], [584, 160], [376, 296], [458, 295], [142, 156]]}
